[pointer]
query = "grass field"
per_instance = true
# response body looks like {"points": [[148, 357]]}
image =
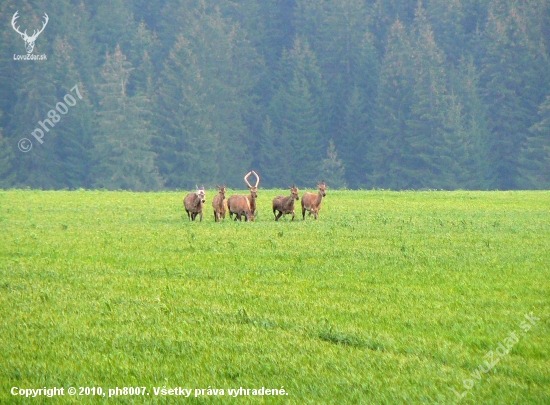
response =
{"points": [[389, 298]]}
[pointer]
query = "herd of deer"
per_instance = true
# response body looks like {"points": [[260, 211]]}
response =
{"points": [[245, 205]]}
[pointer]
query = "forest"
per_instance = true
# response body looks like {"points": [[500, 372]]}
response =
{"points": [[383, 94]]}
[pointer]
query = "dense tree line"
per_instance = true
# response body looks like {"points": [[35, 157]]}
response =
{"points": [[392, 94]]}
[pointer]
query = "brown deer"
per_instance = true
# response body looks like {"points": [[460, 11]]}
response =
{"points": [[240, 205], [193, 203], [251, 198], [253, 190], [285, 205], [312, 202], [219, 204]]}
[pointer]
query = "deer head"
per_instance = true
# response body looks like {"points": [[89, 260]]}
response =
{"points": [[253, 189], [200, 193], [322, 188], [221, 190], [294, 192], [29, 41]]}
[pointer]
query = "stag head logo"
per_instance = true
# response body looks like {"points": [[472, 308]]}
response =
{"points": [[29, 40]]}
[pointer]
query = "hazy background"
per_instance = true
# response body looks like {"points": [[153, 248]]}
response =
{"points": [[387, 94]]}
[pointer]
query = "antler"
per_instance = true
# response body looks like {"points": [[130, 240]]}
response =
{"points": [[248, 175], [15, 17], [246, 179], [36, 34], [257, 178]]}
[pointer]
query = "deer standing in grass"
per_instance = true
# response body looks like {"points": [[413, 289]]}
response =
{"points": [[194, 203], [240, 206], [285, 205], [312, 202], [219, 204], [237, 206]]}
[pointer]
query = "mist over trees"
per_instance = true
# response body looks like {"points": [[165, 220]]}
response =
{"points": [[435, 94]]}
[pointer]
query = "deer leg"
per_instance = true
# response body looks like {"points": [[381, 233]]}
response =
{"points": [[279, 215], [200, 216], [303, 214]]}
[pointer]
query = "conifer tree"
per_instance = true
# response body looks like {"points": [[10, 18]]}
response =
{"points": [[356, 138], [204, 101], [427, 153], [332, 169], [7, 176], [392, 111], [346, 55], [465, 85], [514, 80], [73, 144], [124, 159], [35, 104], [535, 153], [296, 108], [274, 162], [446, 19]]}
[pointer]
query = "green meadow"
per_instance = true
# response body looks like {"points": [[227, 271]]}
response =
{"points": [[388, 298]]}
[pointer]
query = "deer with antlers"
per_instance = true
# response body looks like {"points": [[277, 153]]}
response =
{"points": [[253, 190], [219, 203], [194, 203], [285, 205], [236, 205], [29, 41], [312, 202]]}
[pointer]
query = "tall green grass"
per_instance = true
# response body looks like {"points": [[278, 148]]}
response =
{"points": [[388, 298]]}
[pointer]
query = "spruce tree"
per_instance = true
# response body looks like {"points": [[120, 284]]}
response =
{"points": [[7, 176], [337, 33], [514, 81], [355, 138], [35, 104], [273, 161], [446, 18], [123, 155], [424, 164], [394, 98], [535, 153], [204, 102], [295, 110], [74, 135], [332, 169], [465, 85]]}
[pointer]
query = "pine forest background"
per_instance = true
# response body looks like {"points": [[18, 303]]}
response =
{"points": [[394, 94]]}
